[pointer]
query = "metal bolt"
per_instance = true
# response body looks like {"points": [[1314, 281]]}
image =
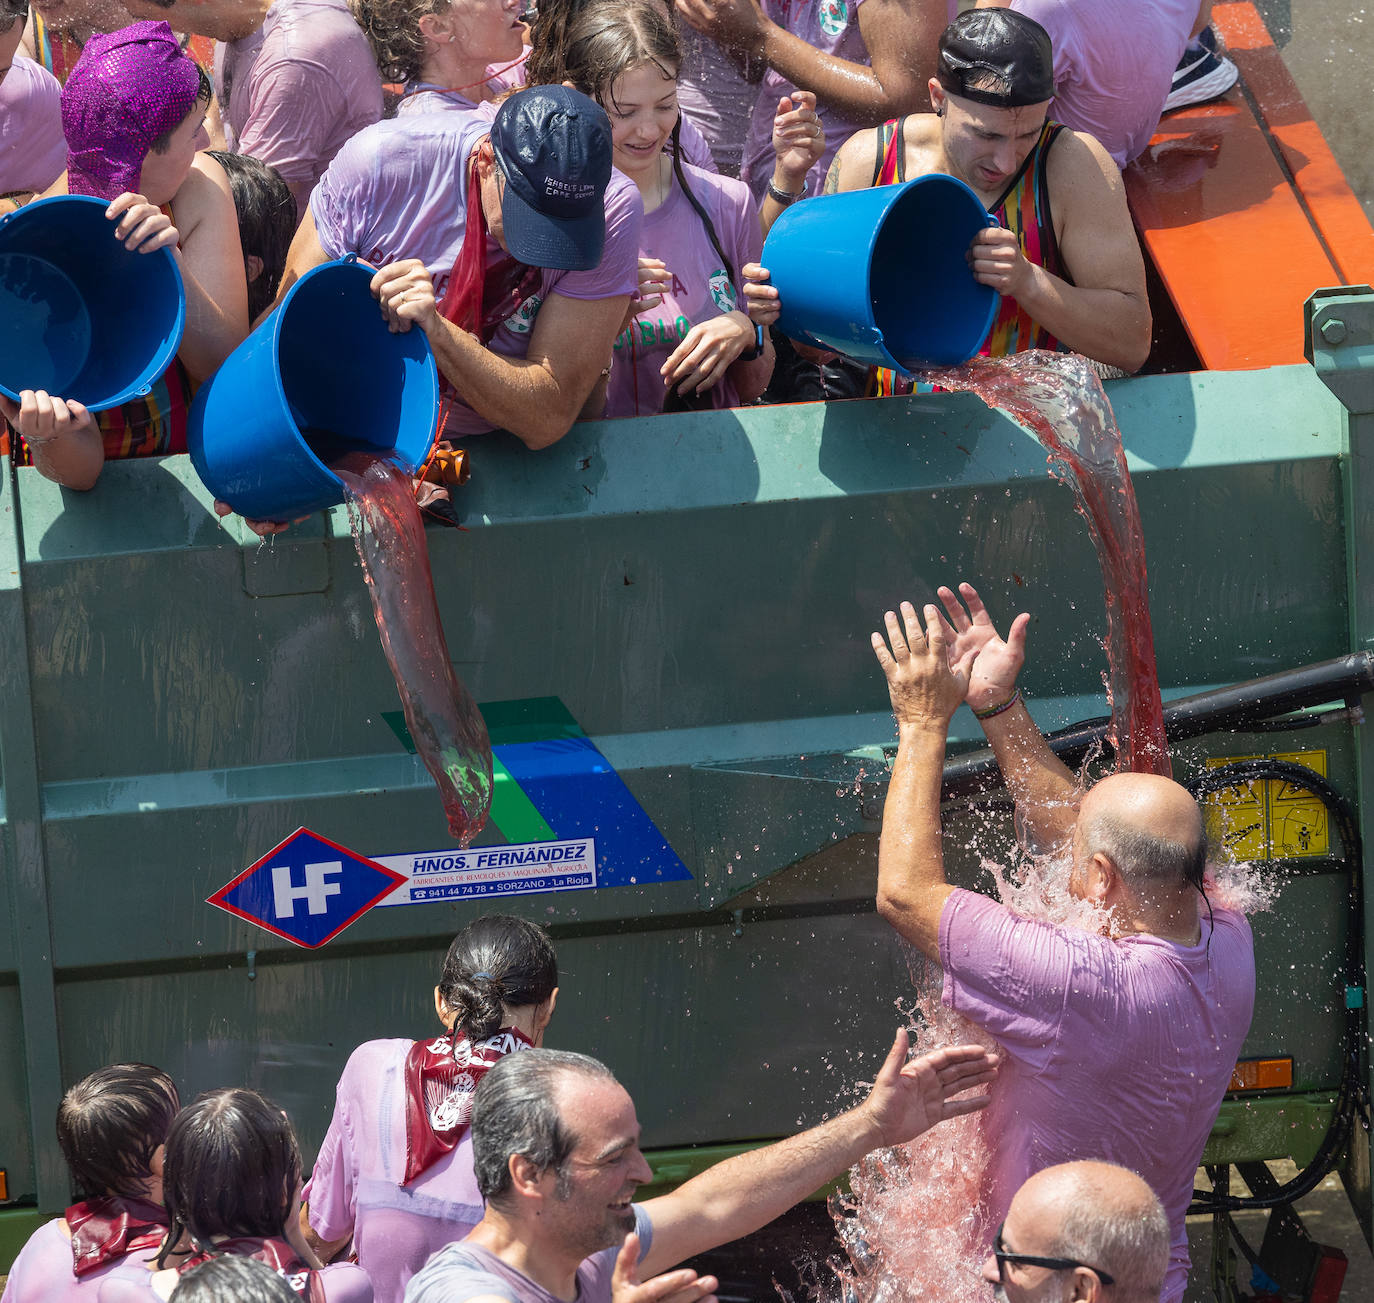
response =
{"points": [[1333, 330]]}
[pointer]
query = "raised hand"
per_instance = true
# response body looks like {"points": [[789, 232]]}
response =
{"points": [[909, 1098], [996, 662], [680, 1286], [926, 687], [798, 139]]}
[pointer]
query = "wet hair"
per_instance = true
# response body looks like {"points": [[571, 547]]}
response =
{"points": [[549, 39], [11, 12], [1124, 1232], [392, 28], [498, 962], [232, 1278], [205, 94], [1143, 857], [514, 1111], [231, 1169], [266, 211], [111, 1123], [607, 39]]}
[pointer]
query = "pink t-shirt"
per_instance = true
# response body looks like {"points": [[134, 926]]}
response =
{"points": [[1116, 1050], [33, 152], [831, 26], [356, 1185], [426, 97], [715, 99], [399, 190], [1114, 62], [42, 1273], [297, 88], [701, 289]]}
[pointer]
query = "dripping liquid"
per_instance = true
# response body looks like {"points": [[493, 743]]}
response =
{"points": [[444, 722]]}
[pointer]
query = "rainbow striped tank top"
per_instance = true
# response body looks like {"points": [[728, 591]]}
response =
{"points": [[1023, 207]]}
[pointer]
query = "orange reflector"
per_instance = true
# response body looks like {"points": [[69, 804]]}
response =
{"points": [[4, 1185], [1262, 1074]]}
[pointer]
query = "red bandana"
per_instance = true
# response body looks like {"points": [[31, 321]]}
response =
{"points": [[440, 1077], [107, 1228], [479, 298], [277, 1254]]}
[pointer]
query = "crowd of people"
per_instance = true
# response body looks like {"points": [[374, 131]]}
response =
{"points": [[571, 202], [476, 1166]]}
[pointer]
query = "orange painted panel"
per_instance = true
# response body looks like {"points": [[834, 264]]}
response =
{"points": [[1334, 209], [1233, 244]]}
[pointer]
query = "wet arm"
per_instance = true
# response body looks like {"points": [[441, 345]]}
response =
{"points": [[1105, 313], [539, 396], [211, 262], [1043, 787]]}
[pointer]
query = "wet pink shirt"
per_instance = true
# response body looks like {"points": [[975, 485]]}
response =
{"points": [[1116, 1050], [297, 88], [1114, 62], [675, 233], [130, 1281], [42, 1273], [33, 153], [356, 1183], [399, 190]]}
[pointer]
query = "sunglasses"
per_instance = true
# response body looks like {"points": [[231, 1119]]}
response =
{"points": [[1031, 1260]]}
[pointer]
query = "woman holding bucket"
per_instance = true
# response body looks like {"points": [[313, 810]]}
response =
{"points": [[394, 1173], [133, 112], [686, 340]]}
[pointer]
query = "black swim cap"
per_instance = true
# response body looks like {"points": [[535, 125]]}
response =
{"points": [[996, 56]]}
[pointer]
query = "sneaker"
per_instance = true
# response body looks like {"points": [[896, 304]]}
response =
{"points": [[1202, 74]]}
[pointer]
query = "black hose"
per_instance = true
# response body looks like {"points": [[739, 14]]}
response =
{"points": [[1351, 1098]]}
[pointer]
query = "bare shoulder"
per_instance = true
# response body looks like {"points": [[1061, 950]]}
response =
{"points": [[1078, 164], [204, 197], [851, 168]]}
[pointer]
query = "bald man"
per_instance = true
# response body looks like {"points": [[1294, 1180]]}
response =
{"points": [[1118, 1043], [1081, 1232]]}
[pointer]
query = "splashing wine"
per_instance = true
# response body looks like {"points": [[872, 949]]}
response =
{"points": [[443, 719], [1059, 399]]}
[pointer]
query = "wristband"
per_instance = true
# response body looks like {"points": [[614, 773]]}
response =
{"points": [[748, 355], [785, 197], [993, 711]]}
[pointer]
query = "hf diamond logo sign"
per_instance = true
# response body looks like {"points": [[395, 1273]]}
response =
{"points": [[307, 889]]}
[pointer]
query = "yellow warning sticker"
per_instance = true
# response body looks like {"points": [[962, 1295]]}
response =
{"points": [[1271, 819]]}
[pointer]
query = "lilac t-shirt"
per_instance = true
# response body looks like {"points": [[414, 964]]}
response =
{"points": [[130, 1281], [1117, 1050], [399, 190], [33, 152], [831, 26], [701, 289], [463, 1271], [715, 98], [356, 1185], [297, 88], [1114, 62], [42, 1273]]}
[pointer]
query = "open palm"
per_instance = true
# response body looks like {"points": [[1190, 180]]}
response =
{"points": [[997, 661]]}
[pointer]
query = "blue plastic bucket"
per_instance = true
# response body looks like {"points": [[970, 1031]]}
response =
{"points": [[880, 275], [80, 315], [321, 376]]}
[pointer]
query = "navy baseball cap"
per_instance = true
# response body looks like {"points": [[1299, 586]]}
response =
{"points": [[996, 56], [553, 146]]}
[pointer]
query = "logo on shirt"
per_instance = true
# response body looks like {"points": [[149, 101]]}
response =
{"points": [[722, 292], [833, 16], [522, 319]]}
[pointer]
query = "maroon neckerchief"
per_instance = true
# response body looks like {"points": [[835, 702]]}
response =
{"points": [[276, 1253], [440, 1077], [109, 1227], [479, 298]]}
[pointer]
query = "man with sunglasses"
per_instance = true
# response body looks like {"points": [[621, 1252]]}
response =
{"points": [[1120, 1033], [1086, 1232]]}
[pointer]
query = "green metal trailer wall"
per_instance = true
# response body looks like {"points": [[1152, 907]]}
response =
{"points": [[696, 592]]}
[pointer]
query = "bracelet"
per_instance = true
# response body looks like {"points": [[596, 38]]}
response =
{"points": [[993, 711], [748, 355], [785, 197]]}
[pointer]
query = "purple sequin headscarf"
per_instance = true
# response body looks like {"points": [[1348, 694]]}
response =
{"points": [[128, 88]]}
